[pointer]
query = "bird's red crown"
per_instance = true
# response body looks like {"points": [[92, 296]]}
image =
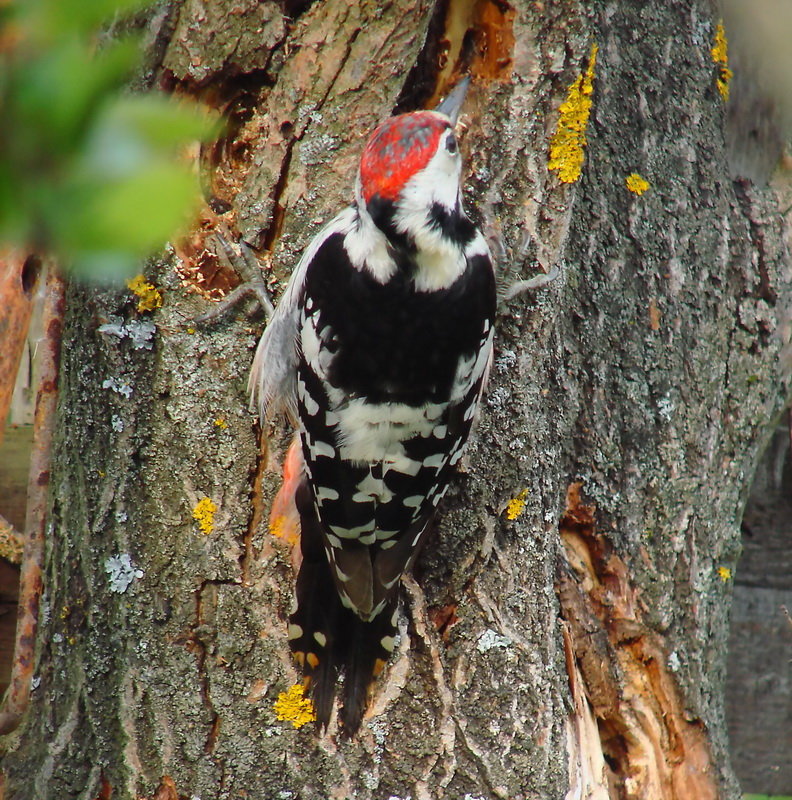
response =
{"points": [[398, 148]]}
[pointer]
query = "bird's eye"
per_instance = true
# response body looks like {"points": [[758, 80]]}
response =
{"points": [[451, 143]]}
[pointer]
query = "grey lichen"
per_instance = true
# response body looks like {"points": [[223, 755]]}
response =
{"points": [[140, 332], [117, 386], [490, 639], [121, 572]]}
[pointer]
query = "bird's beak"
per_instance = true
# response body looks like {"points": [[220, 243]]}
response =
{"points": [[452, 105]]}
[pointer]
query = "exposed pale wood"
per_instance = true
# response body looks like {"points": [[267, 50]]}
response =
{"points": [[18, 276], [656, 751]]}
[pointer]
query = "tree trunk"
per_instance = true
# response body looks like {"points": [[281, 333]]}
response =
{"points": [[565, 633]]}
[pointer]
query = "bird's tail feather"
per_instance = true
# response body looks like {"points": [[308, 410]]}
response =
{"points": [[367, 651], [327, 638]]}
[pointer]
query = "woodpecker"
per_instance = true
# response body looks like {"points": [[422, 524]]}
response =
{"points": [[378, 350]]}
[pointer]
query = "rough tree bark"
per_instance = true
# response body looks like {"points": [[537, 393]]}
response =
{"points": [[565, 633]]}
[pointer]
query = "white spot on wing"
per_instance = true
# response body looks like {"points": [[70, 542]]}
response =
{"points": [[294, 632], [325, 493], [342, 576], [370, 489], [403, 465], [352, 533], [334, 541], [321, 449], [435, 461], [311, 406], [439, 496]]}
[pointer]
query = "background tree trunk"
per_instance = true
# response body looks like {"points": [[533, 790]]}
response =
{"points": [[567, 630], [759, 679]]}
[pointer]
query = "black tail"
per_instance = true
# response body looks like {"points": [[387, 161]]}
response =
{"points": [[326, 638]]}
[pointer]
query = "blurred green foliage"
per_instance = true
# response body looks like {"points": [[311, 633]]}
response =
{"points": [[88, 171], [765, 797]]}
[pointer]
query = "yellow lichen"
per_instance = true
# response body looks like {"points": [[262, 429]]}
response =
{"points": [[277, 526], [293, 706], [720, 55], [203, 514], [516, 505], [569, 140], [724, 573], [149, 297], [636, 184], [221, 423], [284, 528]]}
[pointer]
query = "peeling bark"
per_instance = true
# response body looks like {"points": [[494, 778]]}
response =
{"points": [[538, 658], [18, 277], [16, 701]]}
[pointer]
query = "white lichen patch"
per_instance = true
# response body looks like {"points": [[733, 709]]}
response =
{"points": [[118, 386], [139, 332], [490, 639], [666, 408], [314, 151], [121, 572], [499, 398], [506, 361]]}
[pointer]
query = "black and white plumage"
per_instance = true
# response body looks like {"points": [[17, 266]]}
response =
{"points": [[379, 349]]}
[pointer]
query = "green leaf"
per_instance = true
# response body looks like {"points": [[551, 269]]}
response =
{"points": [[139, 127], [766, 797], [85, 171], [143, 211], [51, 19], [56, 95], [108, 225]]}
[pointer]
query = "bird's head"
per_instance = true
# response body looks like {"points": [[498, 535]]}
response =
{"points": [[410, 161], [408, 197]]}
